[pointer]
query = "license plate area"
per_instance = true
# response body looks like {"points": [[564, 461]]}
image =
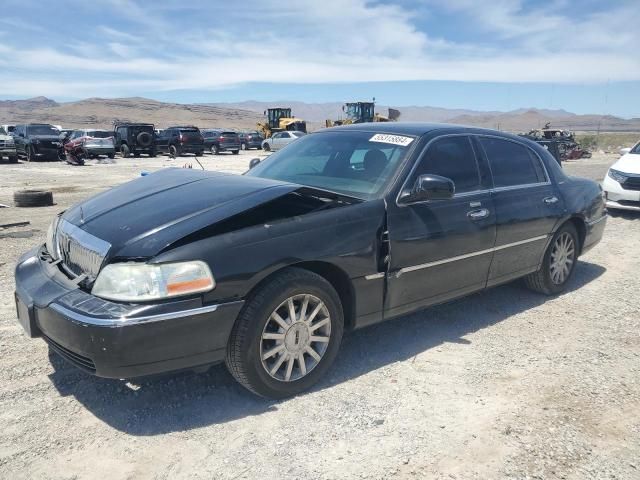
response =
{"points": [[26, 318]]}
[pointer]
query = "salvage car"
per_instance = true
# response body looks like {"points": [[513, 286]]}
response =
{"points": [[93, 142], [37, 141], [250, 139], [344, 228], [218, 141], [280, 140], [179, 140], [7, 147], [622, 183], [135, 139]]}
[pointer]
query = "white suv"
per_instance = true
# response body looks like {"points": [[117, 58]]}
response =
{"points": [[622, 183], [7, 147]]}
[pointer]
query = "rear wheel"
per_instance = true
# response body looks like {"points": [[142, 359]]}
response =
{"points": [[30, 153], [235, 152], [243, 146], [111, 155], [558, 264], [124, 150], [266, 147], [215, 149], [287, 335], [173, 151]]}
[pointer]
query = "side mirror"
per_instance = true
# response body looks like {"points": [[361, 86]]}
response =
{"points": [[253, 162], [624, 151], [430, 187]]}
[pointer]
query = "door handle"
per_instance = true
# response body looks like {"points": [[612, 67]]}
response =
{"points": [[550, 200], [478, 214]]}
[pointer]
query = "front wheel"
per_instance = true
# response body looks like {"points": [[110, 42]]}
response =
{"points": [[243, 146], [124, 150], [215, 149], [235, 152], [173, 151], [287, 335], [266, 147], [558, 264]]}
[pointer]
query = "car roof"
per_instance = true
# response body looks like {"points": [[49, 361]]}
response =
{"points": [[417, 128]]}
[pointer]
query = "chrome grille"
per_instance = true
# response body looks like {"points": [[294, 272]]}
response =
{"points": [[81, 253]]}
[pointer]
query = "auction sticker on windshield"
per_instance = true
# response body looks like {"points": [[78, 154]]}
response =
{"points": [[392, 139]]}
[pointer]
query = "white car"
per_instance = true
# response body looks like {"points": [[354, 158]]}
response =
{"points": [[622, 183], [280, 139]]}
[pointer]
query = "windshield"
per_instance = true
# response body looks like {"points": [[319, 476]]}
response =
{"points": [[636, 149], [2, 132], [98, 134], [42, 130], [359, 164]]}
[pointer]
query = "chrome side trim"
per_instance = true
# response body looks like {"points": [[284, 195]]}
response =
{"points": [[604, 217], [374, 276], [468, 255], [126, 321]]}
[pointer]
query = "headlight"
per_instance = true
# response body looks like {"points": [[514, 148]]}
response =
{"points": [[9, 141], [135, 282], [51, 243], [617, 176]]}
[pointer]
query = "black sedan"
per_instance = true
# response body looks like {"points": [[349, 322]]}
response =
{"points": [[342, 229]]}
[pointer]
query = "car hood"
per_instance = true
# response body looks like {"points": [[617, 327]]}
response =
{"points": [[143, 217], [629, 163]]}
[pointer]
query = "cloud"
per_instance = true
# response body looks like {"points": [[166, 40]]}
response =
{"points": [[177, 46]]}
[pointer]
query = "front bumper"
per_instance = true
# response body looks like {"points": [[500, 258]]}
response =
{"points": [[619, 198], [229, 147], [41, 152], [117, 340], [8, 152]]}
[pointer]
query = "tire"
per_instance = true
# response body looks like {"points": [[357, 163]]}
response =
{"points": [[124, 150], [245, 350], [33, 198], [545, 280], [111, 155], [243, 146], [199, 153], [152, 153], [266, 147], [144, 139], [13, 159], [215, 149], [173, 151], [136, 154], [235, 152], [29, 153]]}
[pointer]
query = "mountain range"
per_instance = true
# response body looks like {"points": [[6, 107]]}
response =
{"points": [[102, 112]]}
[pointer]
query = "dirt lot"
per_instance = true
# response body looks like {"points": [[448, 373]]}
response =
{"points": [[503, 384]]}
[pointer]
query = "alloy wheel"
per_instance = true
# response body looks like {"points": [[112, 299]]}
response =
{"points": [[562, 258], [295, 337]]}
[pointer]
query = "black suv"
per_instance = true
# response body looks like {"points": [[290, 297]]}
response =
{"points": [[250, 139], [135, 138], [178, 140], [217, 141], [37, 141]]}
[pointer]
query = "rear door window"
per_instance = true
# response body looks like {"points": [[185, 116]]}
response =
{"points": [[512, 164], [453, 158]]}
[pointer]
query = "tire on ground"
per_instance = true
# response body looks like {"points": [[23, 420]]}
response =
{"points": [[540, 281], [33, 198], [243, 349]]}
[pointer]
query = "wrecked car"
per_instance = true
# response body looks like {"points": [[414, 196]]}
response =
{"points": [[265, 271]]}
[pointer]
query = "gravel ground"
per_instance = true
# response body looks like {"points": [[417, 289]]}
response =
{"points": [[502, 384]]}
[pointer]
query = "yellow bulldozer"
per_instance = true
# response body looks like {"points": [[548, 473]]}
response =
{"points": [[280, 119], [362, 112]]}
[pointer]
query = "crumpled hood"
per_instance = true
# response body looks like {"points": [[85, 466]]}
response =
{"points": [[142, 217], [629, 163]]}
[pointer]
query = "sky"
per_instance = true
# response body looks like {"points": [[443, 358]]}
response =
{"points": [[578, 55]]}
